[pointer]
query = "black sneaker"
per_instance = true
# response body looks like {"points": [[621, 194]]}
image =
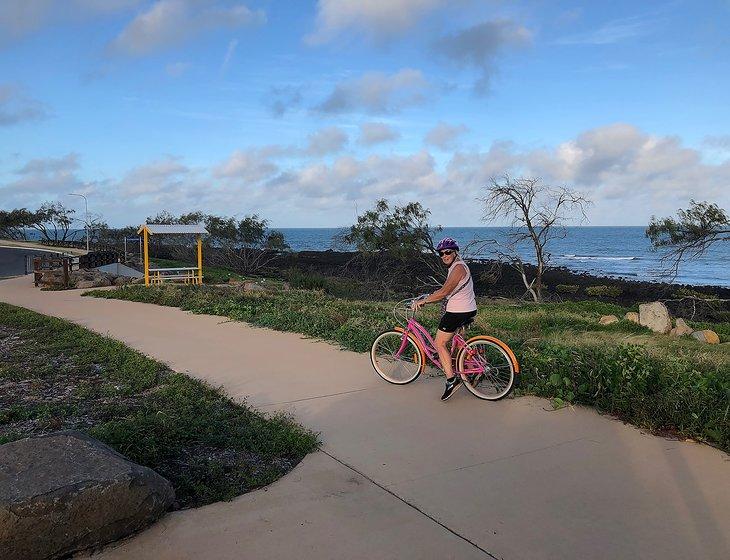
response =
{"points": [[451, 385]]}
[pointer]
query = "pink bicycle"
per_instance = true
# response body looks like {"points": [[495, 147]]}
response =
{"points": [[487, 366]]}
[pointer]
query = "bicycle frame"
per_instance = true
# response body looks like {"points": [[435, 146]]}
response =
{"points": [[428, 346]]}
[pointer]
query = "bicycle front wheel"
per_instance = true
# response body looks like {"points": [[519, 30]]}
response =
{"points": [[394, 366], [487, 368]]}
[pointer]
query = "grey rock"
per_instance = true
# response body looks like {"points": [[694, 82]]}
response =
{"points": [[655, 316], [85, 284], [66, 492]]}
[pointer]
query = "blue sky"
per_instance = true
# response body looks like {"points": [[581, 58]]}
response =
{"points": [[307, 112]]}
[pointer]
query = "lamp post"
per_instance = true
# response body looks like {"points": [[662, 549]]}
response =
{"points": [[86, 219]]}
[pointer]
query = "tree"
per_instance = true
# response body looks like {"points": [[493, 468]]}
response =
{"points": [[394, 242], [15, 223], [697, 228], [245, 245], [537, 215], [53, 221], [403, 231]]}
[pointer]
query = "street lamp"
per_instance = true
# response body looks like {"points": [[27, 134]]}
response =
{"points": [[86, 220]]}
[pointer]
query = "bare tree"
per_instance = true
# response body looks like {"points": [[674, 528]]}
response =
{"points": [[697, 228], [537, 215]]}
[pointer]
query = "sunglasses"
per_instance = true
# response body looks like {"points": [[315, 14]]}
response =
{"points": [[445, 253]]}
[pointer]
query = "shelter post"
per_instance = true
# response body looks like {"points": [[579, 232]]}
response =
{"points": [[146, 258], [200, 260]]}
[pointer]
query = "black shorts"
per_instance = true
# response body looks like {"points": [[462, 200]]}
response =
{"points": [[452, 321]]}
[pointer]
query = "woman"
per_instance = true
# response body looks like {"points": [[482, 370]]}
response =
{"points": [[460, 308]]}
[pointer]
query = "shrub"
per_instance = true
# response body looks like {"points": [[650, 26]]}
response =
{"points": [[567, 288], [604, 291]]}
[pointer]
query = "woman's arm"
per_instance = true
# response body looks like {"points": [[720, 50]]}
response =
{"points": [[448, 287]]}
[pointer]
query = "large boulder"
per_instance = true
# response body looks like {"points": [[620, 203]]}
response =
{"points": [[66, 492], [655, 316]]}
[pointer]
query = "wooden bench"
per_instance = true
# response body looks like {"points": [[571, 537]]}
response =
{"points": [[188, 274]]}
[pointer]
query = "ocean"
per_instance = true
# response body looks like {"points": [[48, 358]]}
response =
{"points": [[620, 252]]}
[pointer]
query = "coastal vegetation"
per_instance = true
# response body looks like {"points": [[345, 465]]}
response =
{"points": [[55, 375], [670, 385], [690, 234]]}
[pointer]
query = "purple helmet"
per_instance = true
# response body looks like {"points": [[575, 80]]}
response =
{"points": [[447, 243]]}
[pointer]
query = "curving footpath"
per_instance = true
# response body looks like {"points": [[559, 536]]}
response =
{"points": [[402, 475]]}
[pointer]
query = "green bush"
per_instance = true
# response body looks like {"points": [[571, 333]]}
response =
{"points": [[604, 291], [566, 288]]}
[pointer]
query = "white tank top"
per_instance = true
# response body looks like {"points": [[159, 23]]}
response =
{"points": [[462, 299]]}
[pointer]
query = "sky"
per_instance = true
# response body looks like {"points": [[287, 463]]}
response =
{"points": [[307, 112]]}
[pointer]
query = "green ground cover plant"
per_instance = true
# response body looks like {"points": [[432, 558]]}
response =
{"points": [[676, 386], [55, 375]]}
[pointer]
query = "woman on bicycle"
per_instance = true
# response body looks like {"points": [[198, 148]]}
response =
{"points": [[459, 309]]}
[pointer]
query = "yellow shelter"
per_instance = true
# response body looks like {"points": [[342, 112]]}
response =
{"points": [[189, 275]]}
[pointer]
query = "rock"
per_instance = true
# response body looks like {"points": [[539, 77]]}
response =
{"points": [[632, 316], [121, 281], [101, 282], [66, 492], [655, 316], [608, 319], [708, 336], [85, 284], [682, 328], [253, 287]]}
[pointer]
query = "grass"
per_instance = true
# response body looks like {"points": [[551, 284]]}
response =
{"points": [[678, 386], [56, 375]]}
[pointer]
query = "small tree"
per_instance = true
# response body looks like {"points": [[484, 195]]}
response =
{"points": [[697, 228], [53, 221], [396, 238], [537, 215], [245, 245], [403, 231], [15, 223]]}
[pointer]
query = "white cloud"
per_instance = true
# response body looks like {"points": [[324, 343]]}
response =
{"points": [[445, 135], [17, 107], [377, 18], [326, 141], [249, 166], [628, 173], [376, 92], [155, 178], [480, 45], [372, 133], [171, 22], [19, 18], [232, 44], [43, 179]]}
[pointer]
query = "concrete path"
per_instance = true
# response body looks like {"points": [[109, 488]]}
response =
{"points": [[402, 475]]}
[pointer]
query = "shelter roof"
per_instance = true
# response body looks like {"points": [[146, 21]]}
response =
{"points": [[173, 229]]}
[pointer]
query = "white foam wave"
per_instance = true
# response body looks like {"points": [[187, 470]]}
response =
{"points": [[597, 258]]}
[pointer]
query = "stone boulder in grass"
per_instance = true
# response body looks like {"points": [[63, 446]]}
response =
{"points": [[655, 316], [66, 492], [681, 329], [708, 336], [608, 320]]}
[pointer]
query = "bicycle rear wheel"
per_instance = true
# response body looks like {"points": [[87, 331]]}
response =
{"points": [[398, 369], [487, 368]]}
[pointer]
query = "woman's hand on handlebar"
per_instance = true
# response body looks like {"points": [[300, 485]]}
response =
{"points": [[418, 302]]}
